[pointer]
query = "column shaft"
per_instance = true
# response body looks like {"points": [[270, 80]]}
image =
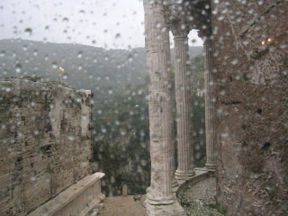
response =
{"points": [[210, 112], [183, 106], [160, 104]]}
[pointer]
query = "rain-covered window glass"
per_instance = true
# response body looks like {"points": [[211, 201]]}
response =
{"points": [[143, 107]]}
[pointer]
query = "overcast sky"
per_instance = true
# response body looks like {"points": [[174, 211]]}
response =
{"points": [[101, 23]]}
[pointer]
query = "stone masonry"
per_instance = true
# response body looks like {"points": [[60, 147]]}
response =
{"points": [[45, 142], [251, 71]]}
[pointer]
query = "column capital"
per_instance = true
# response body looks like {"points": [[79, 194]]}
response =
{"points": [[179, 33], [179, 27], [177, 15]]}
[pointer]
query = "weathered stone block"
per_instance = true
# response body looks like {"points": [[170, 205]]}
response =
{"points": [[45, 142]]}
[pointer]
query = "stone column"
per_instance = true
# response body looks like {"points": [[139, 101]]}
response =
{"points": [[210, 110], [160, 199], [183, 103], [160, 104]]}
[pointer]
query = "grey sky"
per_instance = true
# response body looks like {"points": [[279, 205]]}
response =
{"points": [[101, 23]]}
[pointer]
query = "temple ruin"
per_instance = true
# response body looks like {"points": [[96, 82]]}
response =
{"points": [[246, 66], [45, 149]]}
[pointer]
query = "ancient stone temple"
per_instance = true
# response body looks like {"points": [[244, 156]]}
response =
{"points": [[245, 103]]}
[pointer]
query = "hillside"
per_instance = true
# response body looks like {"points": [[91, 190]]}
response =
{"points": [[102, 71]]}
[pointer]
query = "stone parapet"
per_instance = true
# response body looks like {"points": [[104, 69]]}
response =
{"points": [[81, 199]]}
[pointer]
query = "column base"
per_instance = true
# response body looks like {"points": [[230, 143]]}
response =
{"points": [[172, 209], [210, 167], [182, 176], [175, 186], [153, 200], [148, 189]]}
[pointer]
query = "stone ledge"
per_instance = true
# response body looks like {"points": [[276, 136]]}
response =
{"points": [[79, 199]]}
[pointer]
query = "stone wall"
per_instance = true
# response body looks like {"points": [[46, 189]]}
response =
{"points": [[251, 69], [45, 142]]}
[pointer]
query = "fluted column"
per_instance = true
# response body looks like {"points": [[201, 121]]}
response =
{"points": [[160, 105], [210, 111], [183, 103]]}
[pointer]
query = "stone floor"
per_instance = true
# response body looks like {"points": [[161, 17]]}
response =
{"points": [[199, 199], [122, 206]]}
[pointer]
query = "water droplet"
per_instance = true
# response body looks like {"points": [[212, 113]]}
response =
{"points": [[84, 117], [54, 65], [28, 31], [224, 135], [118, 35], [234, 62], [2, 53], [65, 19], [71, 138], [18, 68], [25, 48], [80, 54]]}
